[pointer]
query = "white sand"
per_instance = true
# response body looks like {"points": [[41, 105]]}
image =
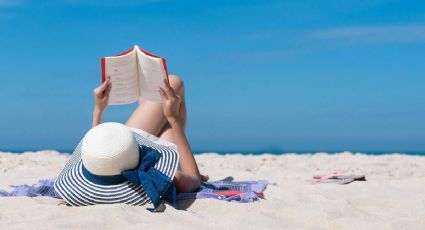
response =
{"points": [[393, 197]]}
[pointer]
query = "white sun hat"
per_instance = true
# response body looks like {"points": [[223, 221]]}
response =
{"points": [[109, 148], [117, 164]]}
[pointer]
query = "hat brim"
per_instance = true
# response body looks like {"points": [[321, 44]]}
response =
{"points": [[77, 190]]}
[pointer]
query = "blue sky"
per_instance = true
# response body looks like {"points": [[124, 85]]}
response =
{"points": [[260, 75]]}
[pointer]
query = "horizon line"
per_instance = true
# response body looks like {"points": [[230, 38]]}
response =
{"points": [[253, 152]]}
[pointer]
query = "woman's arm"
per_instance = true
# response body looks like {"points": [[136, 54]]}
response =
{"points": [[97, 117], [101, 96], [188, 178]]}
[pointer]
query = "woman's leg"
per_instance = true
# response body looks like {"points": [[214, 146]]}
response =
{"points": [[150, 117]]}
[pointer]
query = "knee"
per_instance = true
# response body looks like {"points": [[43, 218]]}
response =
{"points": [[177, 84]]}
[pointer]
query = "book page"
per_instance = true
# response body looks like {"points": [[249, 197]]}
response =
{"points": [[124, 78], [151, 76]]}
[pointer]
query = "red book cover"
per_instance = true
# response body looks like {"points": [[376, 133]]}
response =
{"points": [[102, 61]]}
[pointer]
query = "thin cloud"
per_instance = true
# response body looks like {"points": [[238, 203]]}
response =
{"points": [[96, 3], [389, 33], [5, 6], [263, 55], [109, 3], [10, 3]]}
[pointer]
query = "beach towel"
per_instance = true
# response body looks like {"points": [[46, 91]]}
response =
{"points": [[42, 188], [242, 191]]}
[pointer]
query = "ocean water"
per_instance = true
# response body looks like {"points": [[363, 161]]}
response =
{"points": [[274, 152], [257, 152]]}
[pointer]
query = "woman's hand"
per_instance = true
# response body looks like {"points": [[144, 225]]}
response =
{"points": [[170, 103], [101, 95]]}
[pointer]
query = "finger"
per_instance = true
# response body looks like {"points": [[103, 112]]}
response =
{"points": [[108, 90], [96, 91], [168, 90], [163, 93], [166, 82], [105, 84]]}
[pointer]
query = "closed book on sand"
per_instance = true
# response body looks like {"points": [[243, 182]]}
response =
{"points": [[134, 74]]}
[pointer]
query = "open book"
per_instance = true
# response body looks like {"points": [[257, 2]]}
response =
{"points": [[134, 74]]}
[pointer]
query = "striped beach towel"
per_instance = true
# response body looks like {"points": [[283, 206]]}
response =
{"points": [[243, 191]]}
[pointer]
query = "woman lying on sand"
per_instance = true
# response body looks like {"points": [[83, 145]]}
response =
{"points": [[166, 121], [135, 163]]}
